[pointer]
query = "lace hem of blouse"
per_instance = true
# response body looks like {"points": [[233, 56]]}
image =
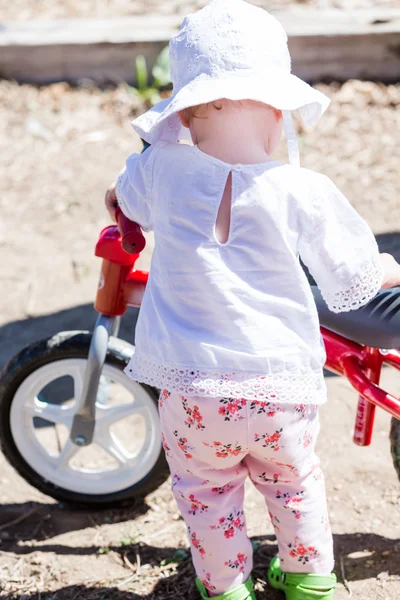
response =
{"points": [[362, 289], [289, 387]]}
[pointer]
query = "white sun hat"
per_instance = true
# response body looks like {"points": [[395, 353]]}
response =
{"points": [[234, 50]]}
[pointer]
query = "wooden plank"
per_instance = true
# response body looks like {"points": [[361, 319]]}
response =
{"points": [[367, 57], [308, 22], [334, 44], [149, 28], [101, 63]]}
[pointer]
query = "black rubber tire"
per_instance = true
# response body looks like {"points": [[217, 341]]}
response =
{"points": [[395, 444], [69, 344]]}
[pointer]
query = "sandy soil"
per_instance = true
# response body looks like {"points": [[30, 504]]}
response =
{"points": [[59, 150], [53, 9]]}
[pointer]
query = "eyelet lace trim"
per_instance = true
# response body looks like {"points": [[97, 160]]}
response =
{"points": [[284, 387], [362, 289]]}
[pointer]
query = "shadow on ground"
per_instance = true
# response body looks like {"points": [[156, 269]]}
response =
{"points": [[351, 559], [17, 335], [37, 521]]}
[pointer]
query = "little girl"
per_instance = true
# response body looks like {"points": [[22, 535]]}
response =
{"points": [[228, 327]]}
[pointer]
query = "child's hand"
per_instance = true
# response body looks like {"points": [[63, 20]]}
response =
{"points": [[111, 201], [391, 271]]}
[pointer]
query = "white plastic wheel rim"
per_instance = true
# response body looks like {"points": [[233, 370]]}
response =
{"points": [[57, 470]]}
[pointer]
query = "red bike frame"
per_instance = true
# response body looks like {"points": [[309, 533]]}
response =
{"points": [[121, 286]]}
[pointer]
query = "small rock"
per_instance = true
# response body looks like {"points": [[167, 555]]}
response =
{"points": [[359, 554], [383, 576], [386, 553], [369, 563]]}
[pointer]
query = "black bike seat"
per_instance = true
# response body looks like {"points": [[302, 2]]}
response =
{"points": [[376, 324]]}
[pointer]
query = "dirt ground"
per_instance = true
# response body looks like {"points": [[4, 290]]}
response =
{"points": [[54, 9], [59, 150]]}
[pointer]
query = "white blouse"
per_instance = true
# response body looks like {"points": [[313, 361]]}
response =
{"points": [[239, 319]]}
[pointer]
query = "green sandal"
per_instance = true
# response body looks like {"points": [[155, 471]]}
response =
{"points": [[243, 592], [299, 586]]}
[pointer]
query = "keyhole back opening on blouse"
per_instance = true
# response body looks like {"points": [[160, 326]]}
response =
{"points": [[222, 226]]}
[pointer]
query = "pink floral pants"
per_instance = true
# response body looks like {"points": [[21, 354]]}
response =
{"points": [[212, 446]]}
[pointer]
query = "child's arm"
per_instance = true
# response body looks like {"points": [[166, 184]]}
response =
{"points": [[340, 249], [111, 200], [391, 271], [132, 191]]}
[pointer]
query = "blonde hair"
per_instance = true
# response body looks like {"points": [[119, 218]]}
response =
{"points": [[187, 114], [194, 112]]}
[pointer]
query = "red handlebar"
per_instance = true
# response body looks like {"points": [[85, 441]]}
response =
{"points": [[133, 240]]}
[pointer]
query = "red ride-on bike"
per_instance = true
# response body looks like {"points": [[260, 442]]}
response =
{"points": [[78, 429]]}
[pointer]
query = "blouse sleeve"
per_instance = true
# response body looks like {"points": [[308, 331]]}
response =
{"points": [[339, 249], [134, 189]]}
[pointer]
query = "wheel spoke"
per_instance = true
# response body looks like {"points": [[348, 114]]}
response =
{"points": [[78, 376], [110, 443], [112, 414], [67, 453], [54, 413]]}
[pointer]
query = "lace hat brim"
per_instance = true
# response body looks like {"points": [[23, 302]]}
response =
{"points": [[285, 92]]}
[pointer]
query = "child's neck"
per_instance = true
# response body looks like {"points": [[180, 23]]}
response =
{"points": [[235, 139], [234, 151]]}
